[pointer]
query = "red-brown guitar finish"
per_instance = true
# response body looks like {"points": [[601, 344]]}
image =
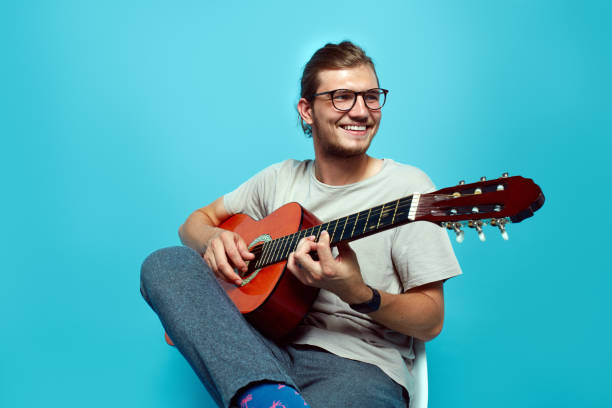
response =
{"points": [[274, 301]]}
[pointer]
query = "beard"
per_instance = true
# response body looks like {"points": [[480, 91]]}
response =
{"points": [[330, 147]]}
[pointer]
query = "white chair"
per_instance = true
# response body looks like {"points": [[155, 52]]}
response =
{"points": [[419, 372]]}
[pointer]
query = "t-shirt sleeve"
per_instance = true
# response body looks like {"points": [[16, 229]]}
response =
{"points": [[421, 251], [255, 196]]}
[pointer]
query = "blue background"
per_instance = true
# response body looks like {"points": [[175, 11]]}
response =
{"points": [[118, 118]]}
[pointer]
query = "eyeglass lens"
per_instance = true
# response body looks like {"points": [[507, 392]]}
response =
{"points": [[344, 99]]}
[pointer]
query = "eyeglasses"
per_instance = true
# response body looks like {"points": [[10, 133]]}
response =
{"points": [[344, 99]]}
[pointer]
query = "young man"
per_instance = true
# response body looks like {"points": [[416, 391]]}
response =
{"points": [[354, 348]]}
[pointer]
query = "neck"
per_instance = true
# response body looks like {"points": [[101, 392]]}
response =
{"points": [[338, 171]]}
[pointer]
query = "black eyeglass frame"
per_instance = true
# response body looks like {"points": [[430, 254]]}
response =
{"points": [[362, 93]]}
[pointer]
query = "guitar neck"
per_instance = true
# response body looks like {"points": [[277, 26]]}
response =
{"points": [[502, 200], [345, 229]]}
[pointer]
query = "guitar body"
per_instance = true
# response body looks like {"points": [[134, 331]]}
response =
{"points": [[272, 299]]}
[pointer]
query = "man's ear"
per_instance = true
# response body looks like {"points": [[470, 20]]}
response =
{"points": [[305, 110]]}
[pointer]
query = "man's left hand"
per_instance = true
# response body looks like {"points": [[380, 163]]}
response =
{"points": [[340, 275]]}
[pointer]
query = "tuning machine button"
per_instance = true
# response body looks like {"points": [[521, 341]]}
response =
{"points": [[505, 175], [460, 235], [461, 182], [501, 224], [483, 178], [481, 234], [477, 225]]}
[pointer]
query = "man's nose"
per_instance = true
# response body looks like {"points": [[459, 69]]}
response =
{"points": [[359, 109]]}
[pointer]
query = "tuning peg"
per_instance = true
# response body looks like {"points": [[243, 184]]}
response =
{"points": [[459, 232], [461, 182], [481, 234], [483, 178], [501, 224], [502, 228], [505, 175], [503, 231], [478, 226]]}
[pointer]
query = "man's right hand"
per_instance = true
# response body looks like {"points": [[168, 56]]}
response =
{"points": [[222, 250], [226, 250]]}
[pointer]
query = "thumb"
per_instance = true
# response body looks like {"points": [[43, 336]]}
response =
{"points": [[345, 251]]}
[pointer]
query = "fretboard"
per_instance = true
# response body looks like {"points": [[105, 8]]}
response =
{"points": [[345, 229]]}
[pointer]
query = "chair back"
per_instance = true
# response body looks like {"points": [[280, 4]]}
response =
{"points": [[419, 372]]}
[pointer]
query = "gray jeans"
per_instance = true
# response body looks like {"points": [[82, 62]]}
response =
{"points": [[228, 354]]}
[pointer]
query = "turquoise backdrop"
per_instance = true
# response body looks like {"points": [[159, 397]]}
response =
{"points": [[118, 118]]}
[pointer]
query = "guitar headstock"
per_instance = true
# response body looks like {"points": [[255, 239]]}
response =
{"points": [[495, 202]]}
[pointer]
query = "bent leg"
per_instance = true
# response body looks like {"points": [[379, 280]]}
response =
{"points": [[343, 382], [221, 346]]}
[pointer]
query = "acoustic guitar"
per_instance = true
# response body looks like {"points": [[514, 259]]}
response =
{"points": [[275, 302]]}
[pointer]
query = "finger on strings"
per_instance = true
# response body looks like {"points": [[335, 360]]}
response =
{"points": [[302, 258], [233, 253], [323, 249], [224, 269], [306, 244], [243, 249]]}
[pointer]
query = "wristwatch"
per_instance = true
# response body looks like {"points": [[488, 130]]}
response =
{"points": [[371, 305]]}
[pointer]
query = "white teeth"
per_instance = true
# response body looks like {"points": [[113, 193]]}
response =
{"points": [[351, 127]]}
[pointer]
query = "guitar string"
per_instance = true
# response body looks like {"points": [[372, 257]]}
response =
{"points": [[422, 209]]}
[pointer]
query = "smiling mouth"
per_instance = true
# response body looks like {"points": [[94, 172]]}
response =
{"points": [[358, 128]]}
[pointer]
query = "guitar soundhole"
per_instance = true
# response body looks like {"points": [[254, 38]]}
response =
{"points": [[254, 247]]}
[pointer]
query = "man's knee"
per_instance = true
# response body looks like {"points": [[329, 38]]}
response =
{"points": [[165, 264]]}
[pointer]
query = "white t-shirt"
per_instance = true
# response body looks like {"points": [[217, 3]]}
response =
{"points": [[392, 261]]}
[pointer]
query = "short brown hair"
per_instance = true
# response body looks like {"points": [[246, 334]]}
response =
{"points": [[331, 56]]}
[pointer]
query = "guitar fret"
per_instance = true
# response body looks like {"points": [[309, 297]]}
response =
{"points": [[318, 232], [395, 211], [355, 224], [380, 216], [293, 245], [331, 237], [343, 228], [401, 213], [366, 221], [300, 235], [371, 224], [385, 218], [287, 246]]}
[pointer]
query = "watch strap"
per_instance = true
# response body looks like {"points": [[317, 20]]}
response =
{"points": [[371, 305]]}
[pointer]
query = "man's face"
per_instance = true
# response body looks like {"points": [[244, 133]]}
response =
{"points": [[339, 133]]}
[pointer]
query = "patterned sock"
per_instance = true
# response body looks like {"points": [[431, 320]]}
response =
{"points": [[271, 395]]}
